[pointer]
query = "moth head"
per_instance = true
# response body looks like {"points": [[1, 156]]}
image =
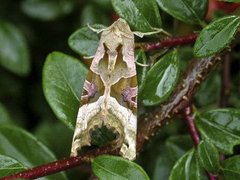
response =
{"points": [[121, 27]]}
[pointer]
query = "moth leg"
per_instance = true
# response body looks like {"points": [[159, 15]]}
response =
{"points": [[128, 94], [128, 149], [81, 136], [142, 65], [156, 31], [91, 89]]}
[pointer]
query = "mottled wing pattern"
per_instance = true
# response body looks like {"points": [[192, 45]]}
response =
{"points": [[110, 92]]}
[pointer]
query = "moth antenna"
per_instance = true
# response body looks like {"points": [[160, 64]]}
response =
{"points": [[142, 65], [156, 31], [160, 30], [95, 30], [88, 57]]}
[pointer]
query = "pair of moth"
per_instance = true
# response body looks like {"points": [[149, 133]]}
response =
{"points": [[110, 90]]}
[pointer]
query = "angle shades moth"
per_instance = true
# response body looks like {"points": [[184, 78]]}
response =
{"points": [[109, 95]]}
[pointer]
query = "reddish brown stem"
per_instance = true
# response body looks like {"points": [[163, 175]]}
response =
{"points": [[61, 165], [170, 42], [194, 133], [191, 126]]}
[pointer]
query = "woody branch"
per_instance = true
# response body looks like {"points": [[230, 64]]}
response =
{"points": [[149, 122]]}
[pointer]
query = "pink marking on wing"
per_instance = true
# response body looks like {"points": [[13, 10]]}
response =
{"points": [[129, 93], [90, 87]]}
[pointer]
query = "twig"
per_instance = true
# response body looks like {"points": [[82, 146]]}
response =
{"points": [[169, 42], [191, 126], [61, 165], [149, 122], [194, 133]]}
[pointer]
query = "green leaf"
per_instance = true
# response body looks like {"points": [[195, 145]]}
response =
{"points": [[231, 168], [172, 150], [161, 79], [116, 168], [60, 146], [14, 54], [47, 10], [221, 127], [4, 115], [188, 11], [216, 36], [63, 78], [208, 156], [26, 149], [9, 166], [84, 41], [140, 57], [187, 168], [141, 15]]}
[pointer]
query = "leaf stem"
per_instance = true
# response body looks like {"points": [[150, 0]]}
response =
{"points": [[203, 24], [194, 133], [191, 126]]}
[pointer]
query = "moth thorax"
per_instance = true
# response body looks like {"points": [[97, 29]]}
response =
{"points": [[112, 59]]}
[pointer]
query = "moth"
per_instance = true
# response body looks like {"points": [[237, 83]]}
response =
{"points": [[109, 95]]}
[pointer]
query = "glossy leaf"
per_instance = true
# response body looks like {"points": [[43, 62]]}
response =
{"points": [[216, 36], [161, 80], [187, 168], [114, 168], [140, 57], [26, 149], [173, 149], [63, 78], [14, 54], [188, 11], [208, 156], [9, 166], [221, 127], [231, 168], [84, 41], [141, 15], [47, 10]]}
